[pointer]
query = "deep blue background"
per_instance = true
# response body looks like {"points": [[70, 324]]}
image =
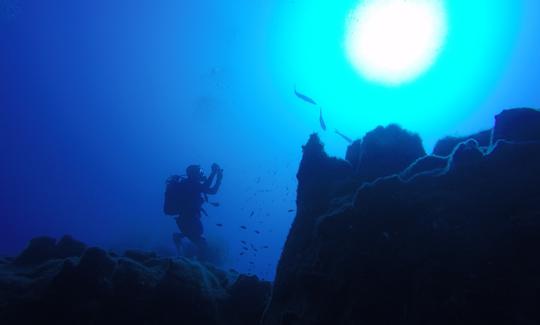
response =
{"points": [[101, 100]]}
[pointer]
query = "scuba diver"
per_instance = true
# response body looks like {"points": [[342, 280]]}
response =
{"points": [[184, 197]]}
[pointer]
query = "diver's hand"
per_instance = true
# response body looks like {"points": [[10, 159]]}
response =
{"points": [[215, 168]]}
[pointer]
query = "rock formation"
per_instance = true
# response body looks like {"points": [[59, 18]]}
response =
{"points": [[67, 283], [445, 240]]}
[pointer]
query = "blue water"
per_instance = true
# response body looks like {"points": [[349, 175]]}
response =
{"points": [[100, 101]]}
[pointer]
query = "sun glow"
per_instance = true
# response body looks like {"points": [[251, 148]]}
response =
{"points": [[395, 41]]}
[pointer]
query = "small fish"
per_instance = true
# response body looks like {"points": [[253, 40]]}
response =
{"points": [[243, 227], [243, 242], [219, 224], [349, 140], [252, 213], [245, 248], [290, 210], [257, 232], [304, 97], [214, 204], [264, 246], [241, 253], [321, 120], [251, 263]]}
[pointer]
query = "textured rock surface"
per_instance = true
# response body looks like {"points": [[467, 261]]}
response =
{"points": [[51, 283], [448, 240], [384, 151], [517, 125], [445, 146]]}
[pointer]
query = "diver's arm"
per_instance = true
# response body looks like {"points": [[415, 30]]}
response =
{"points": [[213, 190], [208, 182]]}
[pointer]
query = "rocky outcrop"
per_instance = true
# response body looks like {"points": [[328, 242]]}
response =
{"points": [[517, 125], [41, 249], [445, 146], [67, 283], [446, 240], [384, 151]]}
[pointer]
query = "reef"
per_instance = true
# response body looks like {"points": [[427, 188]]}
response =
{"points": [[394, 236], [66, 282]]}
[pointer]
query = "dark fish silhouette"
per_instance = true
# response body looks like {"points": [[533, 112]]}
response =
{"points": [[251, 263], [304, 97], [290, 210], [219, 224], [243, 242], [241, 253], [245, 248], [252, 213], [321, 120], [243, 227], [265, 246], [349, 140], [257, 232], [214, 204]]}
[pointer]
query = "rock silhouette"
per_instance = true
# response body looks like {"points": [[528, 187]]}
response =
{"points": [[446, 240], [67, 283]]}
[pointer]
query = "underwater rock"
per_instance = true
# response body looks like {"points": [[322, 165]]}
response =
{"points": [[521, 124], [354, 152], [386, 151], [249, 294], [445, 146], [139, 256], [427, 164], [39, 250], [68, 246], [137, 288], [453, 245], [42, 249]]}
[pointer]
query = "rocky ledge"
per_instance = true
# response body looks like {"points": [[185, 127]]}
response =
{"points": [[65, 282], [394, 236]]}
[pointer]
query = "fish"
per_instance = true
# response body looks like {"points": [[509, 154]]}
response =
{"points": [[264, 246], [245, 248], [251, 263], [241, 253], [349, 140], [214, 204], [321, 120], [252, 213], [257, 232], [219, 224], [304, 97], [290, 210], [243, 227], [243, 242]]}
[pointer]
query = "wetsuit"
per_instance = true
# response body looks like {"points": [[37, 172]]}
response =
{"points": [[189, 221]]}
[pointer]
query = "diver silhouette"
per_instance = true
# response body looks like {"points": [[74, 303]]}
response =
{"points": [[184, 198]]}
